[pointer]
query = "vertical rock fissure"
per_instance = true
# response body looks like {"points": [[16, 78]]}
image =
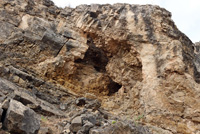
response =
{"points": [[3, 116]]}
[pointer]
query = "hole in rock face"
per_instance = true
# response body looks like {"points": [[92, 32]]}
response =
{"points": [[98, 69], [93, 15], [196, 75], [3, 116], [113, 87], [95, 57]]}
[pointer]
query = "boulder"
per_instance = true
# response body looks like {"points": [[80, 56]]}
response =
{"points": [[25, 97], [76, 124], [48, 108], [21, 119], [94, 104], [89, 117], [119, 128], [6, 86], [86, 128]]}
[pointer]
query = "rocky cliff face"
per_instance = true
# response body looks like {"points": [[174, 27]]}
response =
{"points": [[132, 58]]}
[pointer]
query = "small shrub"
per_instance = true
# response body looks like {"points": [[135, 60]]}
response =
{"points": [[138, 118], [43, 119], [113, 122]]}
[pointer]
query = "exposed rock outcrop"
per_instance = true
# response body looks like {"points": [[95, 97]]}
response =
{"points": [[20, 119], [197, 61], [132, 58]]}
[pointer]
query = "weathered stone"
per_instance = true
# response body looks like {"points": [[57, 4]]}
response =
{"points": [[62, 106], [90, 96], [25, 76], [25, 98], [55, 41], [6, 86], [119, 128], [48, 3], [76, 124], [48, 109], [86, 127], [80, 132], [96, 131], [89, 117], [67, 129], [5, 104], [45, 130], [2, 98], [103, 113], [6, 30], [21, 119], [94, 104], [9, 17], [67, 105]]}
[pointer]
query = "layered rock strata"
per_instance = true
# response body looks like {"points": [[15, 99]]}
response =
{"points": [[132, 58]]}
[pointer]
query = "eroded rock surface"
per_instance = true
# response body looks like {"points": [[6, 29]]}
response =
{"points": [[20, 119], [132, 58]]}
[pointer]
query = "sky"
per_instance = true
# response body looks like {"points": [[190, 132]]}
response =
{"points": [[185, 13]]}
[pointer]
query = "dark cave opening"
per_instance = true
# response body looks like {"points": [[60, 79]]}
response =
{"points": [[95, 57], [98, 59], [113, 87], [196, 75], [3, 116], [98, 69], [93, 14]]}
